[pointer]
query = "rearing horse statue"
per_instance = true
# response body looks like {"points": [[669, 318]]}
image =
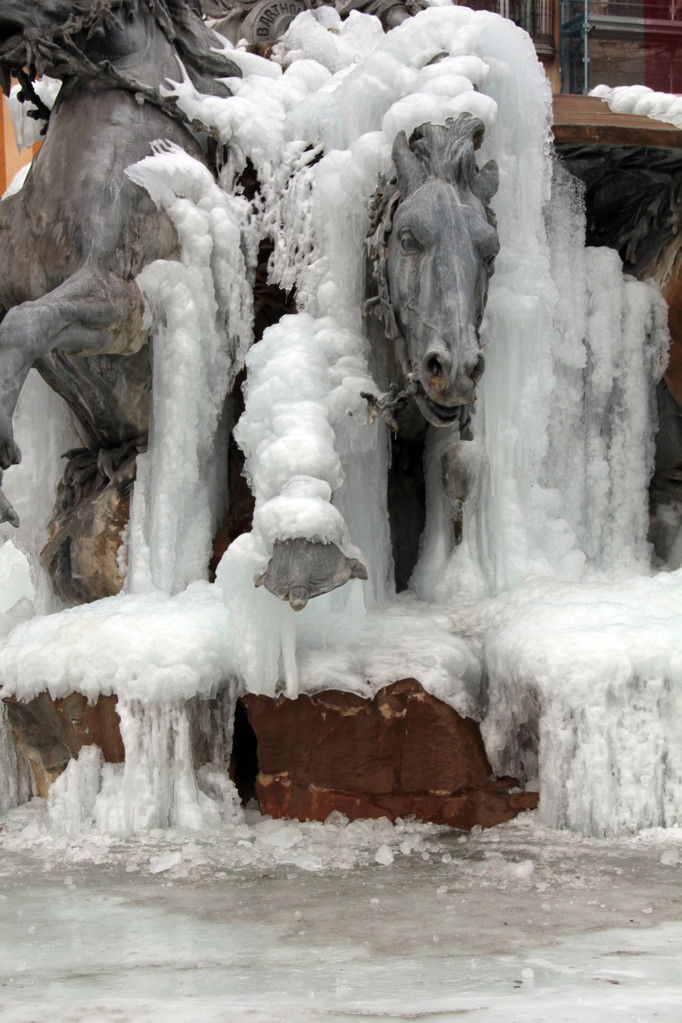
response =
{"points": [[79, 231]]}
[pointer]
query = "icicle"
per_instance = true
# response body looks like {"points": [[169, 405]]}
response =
{"points": [[13, 787], [203, 308], [157, 786], [289, 666]]}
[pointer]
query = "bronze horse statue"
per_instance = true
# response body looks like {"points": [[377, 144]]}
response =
{"points": [[432, 246], [79, 230]]}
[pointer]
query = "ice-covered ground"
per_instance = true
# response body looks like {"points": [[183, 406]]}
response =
{"points": [[298, 923]]}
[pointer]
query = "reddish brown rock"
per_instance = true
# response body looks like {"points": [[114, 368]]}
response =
{"points": [[672, 293], [49, 733], [403, 752], [93, 506]]}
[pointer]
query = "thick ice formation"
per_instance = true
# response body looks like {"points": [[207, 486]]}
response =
{"points": [[612, 345], [303, 377], [590, 679], [44, 432], [562, 455], [202, 306], [156, 787], [639, 99]]}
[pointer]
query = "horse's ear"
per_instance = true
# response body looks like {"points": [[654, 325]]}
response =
{"points": [[200, 50], [486, 182], [410, 172]]}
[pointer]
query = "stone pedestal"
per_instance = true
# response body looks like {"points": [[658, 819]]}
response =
{"points": [[402, 752], [49, 733]]}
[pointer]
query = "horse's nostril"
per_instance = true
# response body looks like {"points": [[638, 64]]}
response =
{"points": [[436, 365], [477, 371]]}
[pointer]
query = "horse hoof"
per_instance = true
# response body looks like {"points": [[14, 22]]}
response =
{"points": [[298, 597], [9, 515], [9, 454]]}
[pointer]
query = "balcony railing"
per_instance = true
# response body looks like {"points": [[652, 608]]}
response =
{"points": [[536, 16], [647, 10]]}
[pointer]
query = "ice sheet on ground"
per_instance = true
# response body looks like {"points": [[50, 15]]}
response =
{"points": [[518, 920]]}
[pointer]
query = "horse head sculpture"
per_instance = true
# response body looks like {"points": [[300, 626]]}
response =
{"points": [[434, 250], [433, 243], [79, 231]]}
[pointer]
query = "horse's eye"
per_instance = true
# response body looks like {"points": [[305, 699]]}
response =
{"points": [[408, 242]]}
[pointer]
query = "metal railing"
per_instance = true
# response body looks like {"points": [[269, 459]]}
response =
{"points": [[656, 10], [536, 16]]}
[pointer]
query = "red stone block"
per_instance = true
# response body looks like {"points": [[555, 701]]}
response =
{"points": [[402, 752]]}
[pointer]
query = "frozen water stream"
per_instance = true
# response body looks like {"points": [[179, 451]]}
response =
{"points": [[515, 924]]}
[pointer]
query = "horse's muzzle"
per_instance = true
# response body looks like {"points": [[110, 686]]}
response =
{"points": [[449, 385]]}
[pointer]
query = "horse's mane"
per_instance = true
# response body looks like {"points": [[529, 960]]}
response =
{"points": [[59, 52], [377, 294], [199, 47], [447, 151]]}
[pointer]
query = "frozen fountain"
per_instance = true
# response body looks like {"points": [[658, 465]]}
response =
{"points": [[538, 616]]}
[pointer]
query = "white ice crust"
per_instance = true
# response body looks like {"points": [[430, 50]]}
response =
{"points": [[545, 621], [640, 99]]}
